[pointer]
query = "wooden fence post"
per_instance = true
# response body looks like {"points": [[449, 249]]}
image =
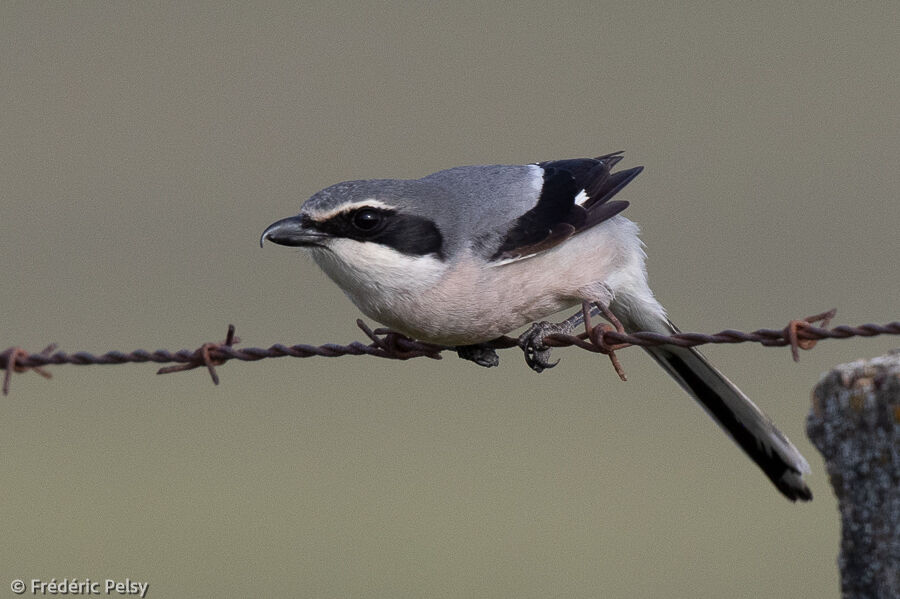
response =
{"points": [[855, 424]]}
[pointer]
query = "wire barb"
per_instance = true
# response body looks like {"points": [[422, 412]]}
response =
{"points": [[794, 327], [594, 337], [398, 346], [203, 357], [384, 343], [15, 358]]}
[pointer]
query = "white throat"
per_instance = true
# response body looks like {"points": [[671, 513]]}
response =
{"points": [[375, 277]]}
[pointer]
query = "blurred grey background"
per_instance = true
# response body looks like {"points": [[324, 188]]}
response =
{"points": [[144, 148]]}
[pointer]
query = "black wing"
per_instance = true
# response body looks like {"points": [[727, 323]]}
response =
{"points": [[557, 215]]}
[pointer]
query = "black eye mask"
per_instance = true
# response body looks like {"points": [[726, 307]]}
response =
{"points": [[406, 233]]}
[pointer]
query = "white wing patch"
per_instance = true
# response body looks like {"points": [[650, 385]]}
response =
{"points": [[581, 198], [537, 180]]}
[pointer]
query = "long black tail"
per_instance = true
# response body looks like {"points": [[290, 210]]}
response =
{"points": [[752, 430], [742, 420]]}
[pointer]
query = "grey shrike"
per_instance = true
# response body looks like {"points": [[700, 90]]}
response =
{"points": [[468, 254]]}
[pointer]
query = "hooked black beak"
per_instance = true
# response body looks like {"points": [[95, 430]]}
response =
{"points": [[292, 232]]}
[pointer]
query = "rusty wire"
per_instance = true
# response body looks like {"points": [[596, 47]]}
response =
{"points": [[600, 338]]}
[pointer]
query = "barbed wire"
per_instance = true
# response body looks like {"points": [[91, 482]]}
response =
{"points": [[384, 343]]}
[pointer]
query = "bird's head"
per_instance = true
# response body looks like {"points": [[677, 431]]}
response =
{"points": [[369, 235]]}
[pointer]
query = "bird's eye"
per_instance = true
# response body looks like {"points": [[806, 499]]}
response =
{"points": [[367, 219]]}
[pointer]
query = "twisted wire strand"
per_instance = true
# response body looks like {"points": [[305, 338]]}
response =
{"points": [[799, 334]]}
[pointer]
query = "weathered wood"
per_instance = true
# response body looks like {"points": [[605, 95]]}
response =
{"points": [[855, 424]]}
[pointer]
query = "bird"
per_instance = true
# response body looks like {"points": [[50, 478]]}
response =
{"points": [[468, 254]]}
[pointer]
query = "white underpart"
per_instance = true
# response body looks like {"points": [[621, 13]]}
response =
{"points": [[465, 301], [322, 215], [604, 263]]}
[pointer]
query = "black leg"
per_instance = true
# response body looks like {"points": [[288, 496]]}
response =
{"points": [[481, 354], [537, 355]]}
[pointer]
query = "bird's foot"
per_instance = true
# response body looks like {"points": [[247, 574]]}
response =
{"points": [[481, 354], [537, 354]]}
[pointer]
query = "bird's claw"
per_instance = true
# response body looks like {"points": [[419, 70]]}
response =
{"points": [[537, 355], [480, 354]]}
